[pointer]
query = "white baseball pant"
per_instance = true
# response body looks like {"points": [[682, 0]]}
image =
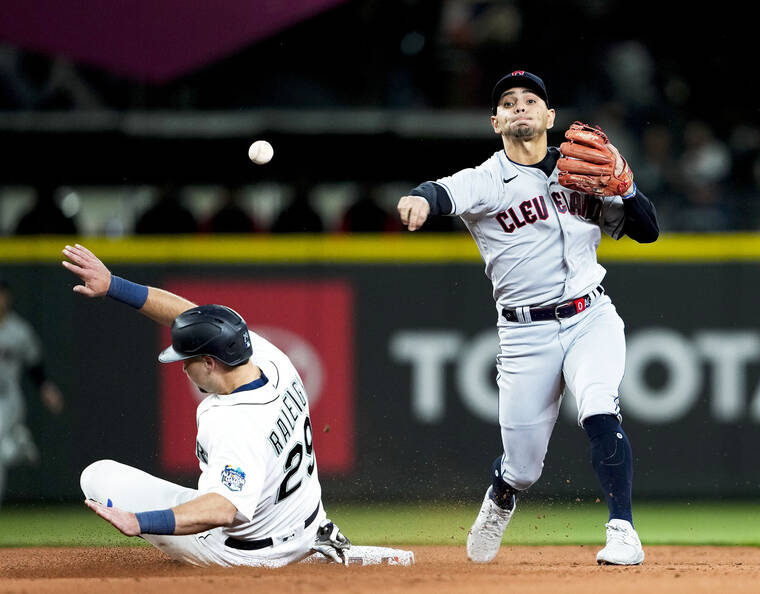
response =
{"points": [[136, 491]]}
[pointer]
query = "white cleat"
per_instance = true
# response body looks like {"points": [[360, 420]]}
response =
{"points": [[484, 538], [623, 545]]}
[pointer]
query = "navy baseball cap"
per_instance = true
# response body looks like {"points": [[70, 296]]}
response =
{"points": [[518, 78]]}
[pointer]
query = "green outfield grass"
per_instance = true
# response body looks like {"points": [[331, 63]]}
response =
{"points": [[733, 523]]}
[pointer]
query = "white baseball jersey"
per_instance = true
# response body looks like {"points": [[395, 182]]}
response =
{"points": [[255, 449], [538, 239], [19, 349]]}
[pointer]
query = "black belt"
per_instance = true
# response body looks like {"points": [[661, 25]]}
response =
{"points": [[254, 545], [552, 312]]}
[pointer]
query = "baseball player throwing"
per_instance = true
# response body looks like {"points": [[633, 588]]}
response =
{"points": [[537, 215], [258, 501]]}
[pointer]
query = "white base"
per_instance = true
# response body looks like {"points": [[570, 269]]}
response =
{"points": [[369, 556]]}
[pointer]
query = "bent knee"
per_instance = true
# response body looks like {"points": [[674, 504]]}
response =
{"points": [[522, 478], [96, 474]]}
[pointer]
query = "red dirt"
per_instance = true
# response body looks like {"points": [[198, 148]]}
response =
{"points": [[439, 569]]}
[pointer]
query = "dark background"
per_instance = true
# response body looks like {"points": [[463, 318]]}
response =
{"points": [[102, 355], [669, 84], [370, 93]]}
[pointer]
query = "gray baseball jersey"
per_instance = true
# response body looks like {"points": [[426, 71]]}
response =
{"points": [[19, 349], [538, 239]]}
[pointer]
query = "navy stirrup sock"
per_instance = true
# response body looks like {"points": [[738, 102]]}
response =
{"points": [[612, 459], [502, 494]]}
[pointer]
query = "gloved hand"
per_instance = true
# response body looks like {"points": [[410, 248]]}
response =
{"points": [[591, 165], [331, 542]]}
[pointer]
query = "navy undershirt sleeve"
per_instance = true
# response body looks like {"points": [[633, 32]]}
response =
{"points": [[640, 219], [437, 197]]}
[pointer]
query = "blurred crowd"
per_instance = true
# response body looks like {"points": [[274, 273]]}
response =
{"points": [[698, 182], [677, 111], [173, 210]]}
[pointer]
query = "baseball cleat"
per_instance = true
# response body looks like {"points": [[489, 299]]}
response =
{"points": [[484, 538], [623, 545]]}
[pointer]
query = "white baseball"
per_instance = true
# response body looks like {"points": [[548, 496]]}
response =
{"points": [[260, 152]]}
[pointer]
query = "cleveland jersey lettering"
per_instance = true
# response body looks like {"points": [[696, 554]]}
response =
{"points": [[532, 214]]}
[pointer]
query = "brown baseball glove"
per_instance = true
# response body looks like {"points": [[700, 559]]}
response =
{"points": [[590, 164]]}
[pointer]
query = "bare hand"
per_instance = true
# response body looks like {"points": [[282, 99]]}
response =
{"points": [[51, 397], [414, 211], [124, 521], [87, 266]]}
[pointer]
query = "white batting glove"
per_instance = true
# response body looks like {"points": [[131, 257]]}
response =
{"points": [[331, 542]]}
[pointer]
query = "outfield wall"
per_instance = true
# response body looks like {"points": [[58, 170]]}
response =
{"points": [[395, 340]]}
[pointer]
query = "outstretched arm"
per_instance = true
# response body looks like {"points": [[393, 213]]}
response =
{"points": [[198, 515], [157, 304], [425, 200], [162, 306]]}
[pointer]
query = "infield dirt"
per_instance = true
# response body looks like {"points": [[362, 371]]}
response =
{"points": [[438, 569]]}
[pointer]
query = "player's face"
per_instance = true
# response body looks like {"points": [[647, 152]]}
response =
{"points": [[522, 114], [199, 372]]}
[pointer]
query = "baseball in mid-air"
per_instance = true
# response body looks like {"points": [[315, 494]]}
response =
{"points": [[260, 152]]}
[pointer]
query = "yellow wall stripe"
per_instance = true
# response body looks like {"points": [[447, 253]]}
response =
{"points": [[365, 248]]}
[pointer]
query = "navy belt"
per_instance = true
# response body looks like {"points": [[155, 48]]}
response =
{"points": [[526, 314], [254, 545]]}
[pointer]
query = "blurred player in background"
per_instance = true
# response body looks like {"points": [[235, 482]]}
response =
{"points": [[258, 501], [20, 353]]}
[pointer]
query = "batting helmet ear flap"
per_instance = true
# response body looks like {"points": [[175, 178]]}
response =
{"points": [[213, 330]]}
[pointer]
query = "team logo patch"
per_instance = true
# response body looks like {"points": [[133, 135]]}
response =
{"points": [[233, 478]]}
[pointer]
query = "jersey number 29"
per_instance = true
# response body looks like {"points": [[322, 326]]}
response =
{"points": [[293, 462]]}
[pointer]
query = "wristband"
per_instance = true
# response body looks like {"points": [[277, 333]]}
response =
{"points": [[632, 192], [127, 292], [156, 522]]}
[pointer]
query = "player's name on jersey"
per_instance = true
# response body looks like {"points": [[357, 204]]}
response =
{"points": [[293, 405]]}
